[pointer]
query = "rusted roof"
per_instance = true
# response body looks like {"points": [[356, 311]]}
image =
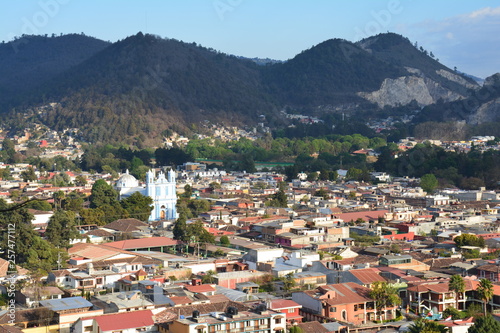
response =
{"points": [[367, 275]]}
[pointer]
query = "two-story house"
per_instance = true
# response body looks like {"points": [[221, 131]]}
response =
{"points": [[346, 302]]}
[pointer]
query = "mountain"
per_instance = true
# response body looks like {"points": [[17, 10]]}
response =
{"points": [[480, 107], [329, 73], [137, 88], [427, 80], [29, 61], [146, 84]]}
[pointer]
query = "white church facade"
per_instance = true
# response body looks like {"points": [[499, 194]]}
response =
{"points": [[161, 188]]}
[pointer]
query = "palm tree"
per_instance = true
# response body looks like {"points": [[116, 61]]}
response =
{"points": [[456, 284], [485, 291]]}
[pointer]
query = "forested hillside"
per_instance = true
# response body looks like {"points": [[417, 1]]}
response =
{"points": [[136, 89], [29, 61]]}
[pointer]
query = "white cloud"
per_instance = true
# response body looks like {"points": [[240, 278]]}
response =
{"points": [[469, 41], [483, 12]]}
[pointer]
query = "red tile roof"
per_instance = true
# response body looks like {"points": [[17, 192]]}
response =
{"points": [[181, 300], [367, 275], [341, 293], [202, 288], [131, 244], [278, 304], [366, 215], [121, 321]]}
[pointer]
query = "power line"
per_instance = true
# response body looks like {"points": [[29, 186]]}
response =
{"points": [[21, 205]]}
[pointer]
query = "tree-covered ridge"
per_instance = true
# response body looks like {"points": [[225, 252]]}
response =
{"points": [[466, 170], [328, 73], [399, 51], [30, 60], [144, 84], [133, 90]]}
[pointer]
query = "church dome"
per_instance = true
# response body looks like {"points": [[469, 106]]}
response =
{"points": [[126, 181]]}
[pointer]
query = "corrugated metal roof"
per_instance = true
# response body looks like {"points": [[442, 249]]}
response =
{"points": [[66, 303]]}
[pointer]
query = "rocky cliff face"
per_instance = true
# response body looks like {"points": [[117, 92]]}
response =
{"points": [[403, 90], [487, 112], [456, 78]]}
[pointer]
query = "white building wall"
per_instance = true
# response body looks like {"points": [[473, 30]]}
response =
{"points": [[307, 301]]}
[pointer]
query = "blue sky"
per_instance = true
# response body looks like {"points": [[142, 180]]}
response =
{"points": [[460, 33]]}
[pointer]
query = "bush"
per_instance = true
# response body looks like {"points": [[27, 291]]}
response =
{"points": [[454, 313]]}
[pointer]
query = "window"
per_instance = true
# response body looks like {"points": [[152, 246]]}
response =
{"points": [[86, 283], [247, 323], [291, 310], [333, 309], [87, 328], [98, 281], [277, 321]]}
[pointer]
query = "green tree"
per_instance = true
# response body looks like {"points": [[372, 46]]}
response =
{"points": [[224, 241], [474, 310], [198, 206], [469, 240], [73, 201], [103, 194], [457, 285], [62, 229], [218, 253], [485, 292], [279, 199], [80, 180], [8, 150], [295, 329], [426, 326], [485, 324], [201, 235], [322, 193], [288, 282], [39, 205], [428, 182], [92, 216], [188, 191], [209, 277], [453, 312], [354, 174], [29, 175], [384, 295], [29, 249], [180, 229], [5, 174], [395, 248], [138, 206], [214, 185]]}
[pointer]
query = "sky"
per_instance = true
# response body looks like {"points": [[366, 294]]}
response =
{"points": [[461, 33]]}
